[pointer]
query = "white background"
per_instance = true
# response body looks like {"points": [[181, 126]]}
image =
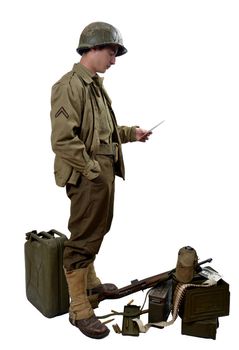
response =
{"points": [[181, 187]]}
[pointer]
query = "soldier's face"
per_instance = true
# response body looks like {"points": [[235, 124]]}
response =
{"points": [[104, 58]]}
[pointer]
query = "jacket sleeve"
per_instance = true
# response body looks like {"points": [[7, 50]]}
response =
{"points": [[127, 134], [67, 101]]}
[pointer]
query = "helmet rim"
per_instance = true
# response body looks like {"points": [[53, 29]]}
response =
{"points": [[100, 34]]}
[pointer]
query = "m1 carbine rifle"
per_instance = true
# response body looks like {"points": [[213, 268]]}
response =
{"points": [[143, 284]]}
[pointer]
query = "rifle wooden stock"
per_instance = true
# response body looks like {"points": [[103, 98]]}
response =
{"points": [[143, 284]]}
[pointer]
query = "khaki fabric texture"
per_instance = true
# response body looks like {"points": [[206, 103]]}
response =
{"points": [[92, 204], [186, 264], [80, 307], [92, 279], [106, 126], [76, 107]]}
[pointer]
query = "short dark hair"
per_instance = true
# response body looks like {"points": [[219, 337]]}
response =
{"points": [[101, 47], [107, 46]]}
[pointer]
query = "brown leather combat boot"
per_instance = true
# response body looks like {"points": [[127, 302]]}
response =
{"points": [[94, 285], [91, 327], [81, 313]]}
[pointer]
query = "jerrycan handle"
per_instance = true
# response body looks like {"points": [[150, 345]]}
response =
{"points": [[33, 235]]}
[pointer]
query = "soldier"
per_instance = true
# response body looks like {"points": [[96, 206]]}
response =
{"points": [[86, 140]]}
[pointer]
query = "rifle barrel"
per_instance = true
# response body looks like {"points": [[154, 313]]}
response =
{"points": [[146, 283]]}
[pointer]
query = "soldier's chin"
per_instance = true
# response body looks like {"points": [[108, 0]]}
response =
{"points": [[102, 70]]}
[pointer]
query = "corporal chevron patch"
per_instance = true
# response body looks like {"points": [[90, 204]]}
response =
{"points": [[62, 111]]}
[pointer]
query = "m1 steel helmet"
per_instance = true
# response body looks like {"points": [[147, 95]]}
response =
{"points": [[100, 34]]}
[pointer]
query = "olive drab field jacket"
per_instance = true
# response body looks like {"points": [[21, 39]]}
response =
{"points": [[75, 111]]}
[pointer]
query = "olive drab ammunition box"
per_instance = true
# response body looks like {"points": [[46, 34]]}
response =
{"points": [[129, 327], [206, 303], [46, 286], [160, 301], [202, 329]]}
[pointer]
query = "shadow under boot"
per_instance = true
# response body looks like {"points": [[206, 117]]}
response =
{"points": [[81, 313]]}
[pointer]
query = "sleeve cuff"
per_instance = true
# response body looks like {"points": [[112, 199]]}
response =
{"points": [[133, 133], [92, 170]]}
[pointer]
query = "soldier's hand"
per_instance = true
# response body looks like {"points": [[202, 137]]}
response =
{"points": [[142, 135]]}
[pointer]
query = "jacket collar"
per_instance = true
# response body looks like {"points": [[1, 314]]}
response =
{"points": [[85, 74]]}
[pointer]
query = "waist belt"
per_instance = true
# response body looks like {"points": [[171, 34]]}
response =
{"points": [[109, 150]]}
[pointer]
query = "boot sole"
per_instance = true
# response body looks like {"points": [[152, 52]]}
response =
{"points": [[90, 335]]}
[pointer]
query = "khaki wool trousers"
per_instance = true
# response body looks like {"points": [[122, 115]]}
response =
{"points": [[91, 214]]}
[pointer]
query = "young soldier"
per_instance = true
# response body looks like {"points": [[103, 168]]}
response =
{"points": [[87, 142]]}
